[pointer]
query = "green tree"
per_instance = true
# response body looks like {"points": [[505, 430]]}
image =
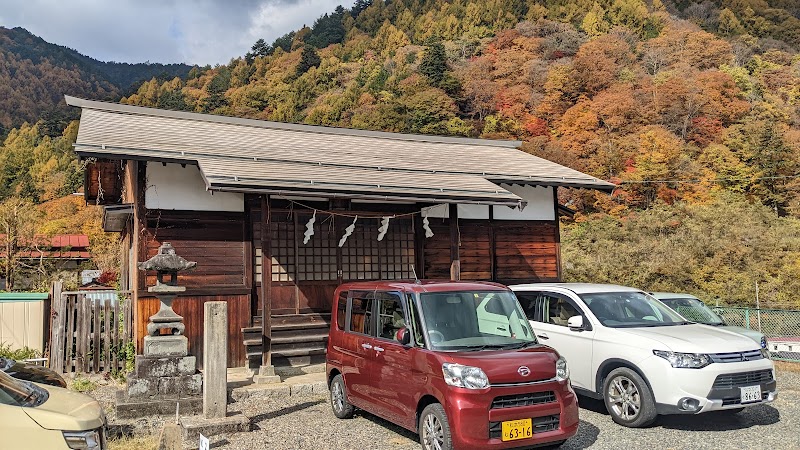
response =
{"points": [[434, 62], [308, 59]]}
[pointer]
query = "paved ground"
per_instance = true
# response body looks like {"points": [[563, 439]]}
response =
{"points": [[306, 422]]}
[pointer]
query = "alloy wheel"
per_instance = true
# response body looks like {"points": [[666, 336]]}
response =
{"points": [[432, 433], [338, 397], [624, 398]]}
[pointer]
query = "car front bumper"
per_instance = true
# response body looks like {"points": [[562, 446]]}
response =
{"points": [[712, 388], [476, 417]]}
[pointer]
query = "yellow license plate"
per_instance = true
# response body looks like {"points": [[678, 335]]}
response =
{"points": [[517, 429]]}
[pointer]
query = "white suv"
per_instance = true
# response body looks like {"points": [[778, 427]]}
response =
{"points": [[643, 359]]}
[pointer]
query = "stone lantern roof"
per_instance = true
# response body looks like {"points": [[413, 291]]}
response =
{"points": [[167, 261]]}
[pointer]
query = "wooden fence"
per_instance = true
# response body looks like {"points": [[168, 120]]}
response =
{"points": [[90, 330]]}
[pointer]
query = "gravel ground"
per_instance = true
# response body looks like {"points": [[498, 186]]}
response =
{"points": [[306, 422]]}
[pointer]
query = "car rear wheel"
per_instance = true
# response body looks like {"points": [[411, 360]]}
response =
{"points": [[628, 398], [341, 407], [434, 430]]}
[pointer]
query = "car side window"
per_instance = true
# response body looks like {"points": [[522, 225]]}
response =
{"points": [[534, 305], [391, 317], [361, 319], [560, 310], [341, 310]]}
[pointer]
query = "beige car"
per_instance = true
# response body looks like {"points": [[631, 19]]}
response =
{"points": [[47, 417]]}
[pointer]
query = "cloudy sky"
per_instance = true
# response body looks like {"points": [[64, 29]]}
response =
{"points": [[189, 31]]}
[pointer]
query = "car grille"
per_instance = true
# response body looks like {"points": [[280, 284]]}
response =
{"points": [[734, 380], [535, 398], [751, 355], [540, 425]]}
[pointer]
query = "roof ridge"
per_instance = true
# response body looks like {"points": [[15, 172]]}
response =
{"points": [[257, 123]]}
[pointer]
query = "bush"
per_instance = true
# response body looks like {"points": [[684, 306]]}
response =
{"points": [[18, 354], [83, 384]]}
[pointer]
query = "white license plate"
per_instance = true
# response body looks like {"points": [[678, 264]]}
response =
{"points": [[751, 394]]}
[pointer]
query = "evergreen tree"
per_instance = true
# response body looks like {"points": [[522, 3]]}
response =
{"points": [[434, 63], [308, 59]]}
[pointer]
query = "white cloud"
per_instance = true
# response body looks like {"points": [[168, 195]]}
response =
{"points": [[195, 32]]}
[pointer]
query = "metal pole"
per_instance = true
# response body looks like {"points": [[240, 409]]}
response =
{"points": [[758, 308]]}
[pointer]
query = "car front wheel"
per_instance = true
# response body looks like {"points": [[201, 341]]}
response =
{"points": [[628, 398], [434, 430], [341, 407]]}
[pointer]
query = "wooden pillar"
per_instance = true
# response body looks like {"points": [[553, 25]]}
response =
{"points": [[558, 234], [266, 284], [419, 247], [455, 242]]}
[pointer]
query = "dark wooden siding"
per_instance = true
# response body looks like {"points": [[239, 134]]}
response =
{"points": [[103, 178], [217, 241], [191, 309], [437, 251], [505, 251], [526, 251]]}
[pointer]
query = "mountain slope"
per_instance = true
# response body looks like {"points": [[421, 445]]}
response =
{"points": [[35, 75]]}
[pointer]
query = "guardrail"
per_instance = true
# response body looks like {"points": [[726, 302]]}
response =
{"points": [[780, 326]]}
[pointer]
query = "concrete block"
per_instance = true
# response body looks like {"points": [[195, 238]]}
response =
{"points": [[171, 437], [215, 360], [171, 366], [182, 386], [301, 389], [166, 345], [319, 388], [193, 426], [266, 379], [128, 408], [141, 387]]}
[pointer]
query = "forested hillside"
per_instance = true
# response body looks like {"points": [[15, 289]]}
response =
{"points": [[35, 75], [691, 107]]}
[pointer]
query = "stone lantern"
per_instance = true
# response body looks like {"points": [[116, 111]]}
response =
{"points": [[165, 377], [167, 264]]}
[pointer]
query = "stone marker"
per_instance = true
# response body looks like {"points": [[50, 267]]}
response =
{"points": [[215, 419], [215, 360]]}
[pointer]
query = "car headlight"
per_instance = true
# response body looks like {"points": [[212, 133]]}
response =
{"points": [[468, 377], [562, 371], [763, 342], [684, 360], [84, 440], [765, 353]]}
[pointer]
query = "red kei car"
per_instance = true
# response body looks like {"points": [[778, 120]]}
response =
{"points": [[456, 362]]}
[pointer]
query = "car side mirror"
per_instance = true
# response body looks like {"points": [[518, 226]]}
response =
{"points": [[403, 336], [575, 323]]}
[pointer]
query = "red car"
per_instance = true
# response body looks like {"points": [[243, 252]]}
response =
{"points": [[456, 362]]}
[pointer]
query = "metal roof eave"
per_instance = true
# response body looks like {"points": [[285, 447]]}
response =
{"points": [[330, 193]]}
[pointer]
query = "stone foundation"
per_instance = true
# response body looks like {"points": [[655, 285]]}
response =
{"points": [[160, 384]]}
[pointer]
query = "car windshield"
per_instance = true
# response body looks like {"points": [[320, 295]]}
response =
{"points": [[694, 310], [16, 392], [471, 321], [630, 310]]}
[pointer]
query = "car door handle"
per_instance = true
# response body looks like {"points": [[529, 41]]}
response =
{"points": [[542, 336], [378, 349], [366, 346]]}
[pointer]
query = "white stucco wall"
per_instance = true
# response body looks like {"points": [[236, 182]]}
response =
{"points": [[540, 206], [182, 188]]}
